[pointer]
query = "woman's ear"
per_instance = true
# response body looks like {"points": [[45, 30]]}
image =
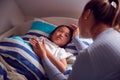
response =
{"points": [[87, 14]]}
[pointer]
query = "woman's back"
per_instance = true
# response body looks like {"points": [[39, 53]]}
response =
{"points": [[101, 59]]}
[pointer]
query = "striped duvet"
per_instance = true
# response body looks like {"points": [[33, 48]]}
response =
{"points": [[22, 59]]}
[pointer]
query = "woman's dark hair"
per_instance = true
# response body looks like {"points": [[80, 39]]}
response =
{"points": [[71, 32], [106, 11]]}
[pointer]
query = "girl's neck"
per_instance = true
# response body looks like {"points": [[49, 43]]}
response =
{"points": [[97, 29]]}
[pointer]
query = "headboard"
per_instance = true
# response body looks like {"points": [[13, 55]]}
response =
{"points": [[23, 28]]}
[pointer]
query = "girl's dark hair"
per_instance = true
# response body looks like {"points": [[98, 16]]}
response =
{"points": [[71, 32], [106, 11]]}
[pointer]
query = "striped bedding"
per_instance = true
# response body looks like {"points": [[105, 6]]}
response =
{"points": [[17, 59], [35, 33]]}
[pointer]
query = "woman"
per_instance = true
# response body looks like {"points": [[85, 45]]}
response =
{"points": [[101, 60]]}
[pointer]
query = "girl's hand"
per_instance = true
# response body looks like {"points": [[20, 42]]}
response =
{"points": [[75, 29], [38, 47]]}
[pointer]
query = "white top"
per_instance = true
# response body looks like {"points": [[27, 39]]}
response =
{"points": [[54, 49]]}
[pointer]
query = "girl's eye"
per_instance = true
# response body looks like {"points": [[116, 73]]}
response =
{"points": [[60, 30], [66, 35]]}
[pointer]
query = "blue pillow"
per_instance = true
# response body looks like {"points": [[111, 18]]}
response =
{"points": [[42, 26]]}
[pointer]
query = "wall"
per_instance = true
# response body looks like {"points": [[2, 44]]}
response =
{"points": [[10, 15], [46, 8], [11, 11]]}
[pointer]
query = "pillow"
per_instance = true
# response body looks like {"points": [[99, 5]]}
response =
{"points": [[42, 26], [39, 28]]}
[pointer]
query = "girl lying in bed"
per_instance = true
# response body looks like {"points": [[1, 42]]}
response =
{"points": [[60, 37]]}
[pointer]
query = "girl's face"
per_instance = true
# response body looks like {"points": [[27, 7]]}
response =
{"points": [[61, 36]]}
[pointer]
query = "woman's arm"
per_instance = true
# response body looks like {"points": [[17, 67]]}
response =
{"points": [[52, 72], [78, 43], [76, 38], [60, 64]]}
